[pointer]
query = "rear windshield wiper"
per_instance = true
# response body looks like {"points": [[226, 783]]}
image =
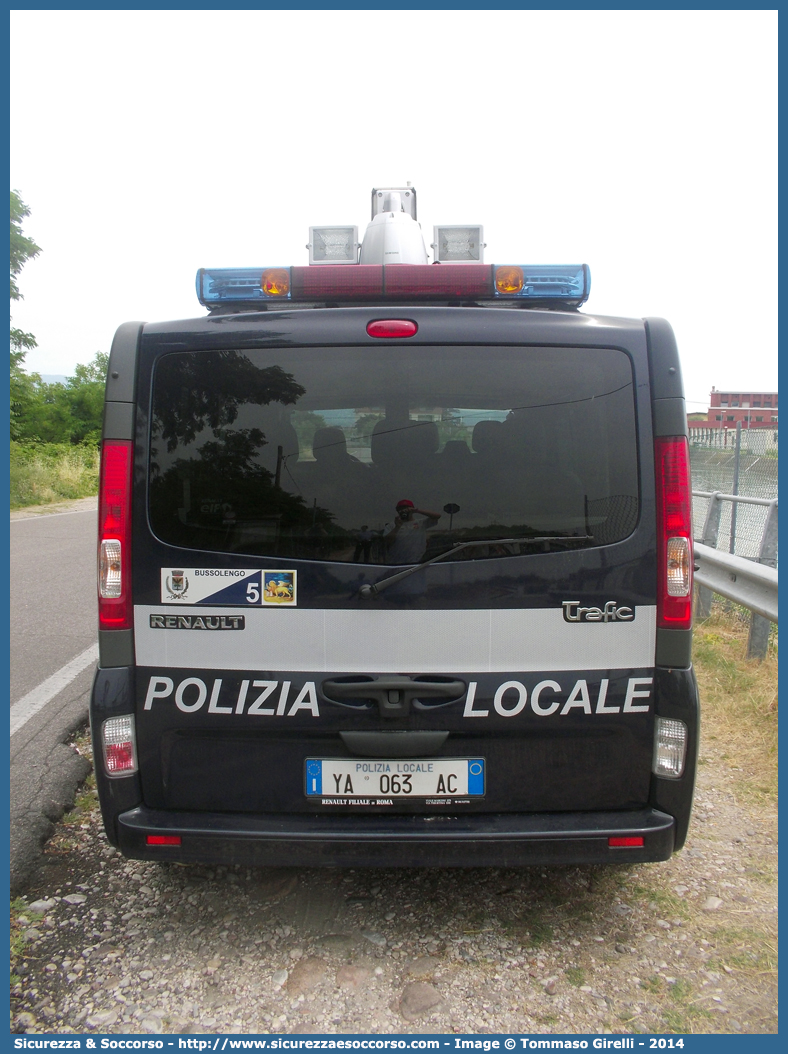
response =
{"points": [[367, 591]]}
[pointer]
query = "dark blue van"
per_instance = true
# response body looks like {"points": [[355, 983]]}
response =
{"points": [[395, 567]]}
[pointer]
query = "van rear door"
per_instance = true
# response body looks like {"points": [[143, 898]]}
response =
{"points": [[269, 677]]}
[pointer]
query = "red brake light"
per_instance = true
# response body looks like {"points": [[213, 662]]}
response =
{"points": [[392, 327], [634, 842], [674, 533], [114, 534], [163, 839]]}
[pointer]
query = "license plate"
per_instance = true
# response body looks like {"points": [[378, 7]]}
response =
{"points": [[395, 778]]}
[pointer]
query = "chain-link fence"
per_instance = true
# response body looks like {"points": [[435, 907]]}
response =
{"points": [[748, 467]]}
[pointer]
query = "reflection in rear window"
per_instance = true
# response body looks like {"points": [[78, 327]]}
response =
{"points": [[306, 452]]}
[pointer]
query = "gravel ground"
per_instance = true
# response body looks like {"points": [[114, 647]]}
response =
{"points": [[106, 945]]}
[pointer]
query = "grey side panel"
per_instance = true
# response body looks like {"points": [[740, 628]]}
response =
{"points": [[670, 417], [123, 363], [674, 648], [116, 647], [667, 391], [118, 421]]}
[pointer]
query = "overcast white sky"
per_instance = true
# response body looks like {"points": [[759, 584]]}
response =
{"points": [[150, 143]]}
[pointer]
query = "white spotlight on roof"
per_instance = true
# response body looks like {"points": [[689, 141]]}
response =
{"points": [[329, 245], [458, 244]]}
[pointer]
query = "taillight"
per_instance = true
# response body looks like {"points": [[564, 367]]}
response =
{"points": [[163, 839], [119, 745], [670, 747], [626, 842], [114, 556], [674, 533]]}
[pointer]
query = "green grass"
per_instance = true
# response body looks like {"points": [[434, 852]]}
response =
{"points": [[45, 472], [18, 907], [84, 803], [743, 948], [739, 704], [540, 931]]}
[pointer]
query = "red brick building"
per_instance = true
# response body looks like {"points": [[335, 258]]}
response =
{"points": [[753, 409]]}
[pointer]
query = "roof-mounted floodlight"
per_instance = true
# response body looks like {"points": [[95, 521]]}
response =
{"points": [[333, 245], [394, 199], [458, 244]]}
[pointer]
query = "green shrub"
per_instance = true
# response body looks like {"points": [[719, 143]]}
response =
{"points": [[46, 472]]}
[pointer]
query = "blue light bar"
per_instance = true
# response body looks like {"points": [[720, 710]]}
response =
{"points": [[567, 284], [219, 285], [551, 282]]}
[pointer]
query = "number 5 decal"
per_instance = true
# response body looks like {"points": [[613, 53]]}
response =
{"points": [[253, 593]]}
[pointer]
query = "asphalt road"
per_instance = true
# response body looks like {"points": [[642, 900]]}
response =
{"points": [[53, 621]]}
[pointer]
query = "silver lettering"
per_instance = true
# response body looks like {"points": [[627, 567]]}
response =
{"points": [[282, 704], [239, 706], [600, 703], [213, 705], [578, 697], [518, 706], [573, 612], [306, 700], [158, 688], [469, 698], [633, 693], [202, 695], [536, 706], [257, 705]]}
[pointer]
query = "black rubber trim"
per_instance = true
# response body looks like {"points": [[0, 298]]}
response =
{"points": [[118, 421], [670, 417], [116, 647], [674, 648]]}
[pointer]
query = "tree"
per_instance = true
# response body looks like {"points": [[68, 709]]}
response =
{"points": [[22, 247], [85, 399], [22, 250], [64, 413]]}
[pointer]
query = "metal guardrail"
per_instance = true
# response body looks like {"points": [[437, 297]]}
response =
{"points": [[751, 583]]}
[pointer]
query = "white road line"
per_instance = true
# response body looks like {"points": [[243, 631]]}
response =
{"points": [[29, 705], [49, 515]]}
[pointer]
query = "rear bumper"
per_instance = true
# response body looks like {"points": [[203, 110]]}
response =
{"points": [[501, 840]]}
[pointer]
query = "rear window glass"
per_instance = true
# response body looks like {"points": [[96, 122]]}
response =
{"points": [[306, 452]]}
